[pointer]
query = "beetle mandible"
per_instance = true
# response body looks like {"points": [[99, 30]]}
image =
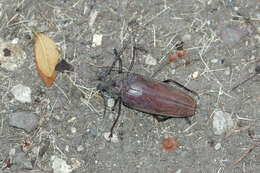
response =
{"points": [[144, 94]]}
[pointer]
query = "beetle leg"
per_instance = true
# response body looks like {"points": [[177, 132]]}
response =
{"points": [[133, 55], [117, 58], [105, 104], [161, 118], [115, 103], [180, 85], [188, 120], [133, 59], [118, 115]]}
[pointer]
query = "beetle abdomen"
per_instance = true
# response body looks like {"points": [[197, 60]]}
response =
{"points": [[158, 98]]}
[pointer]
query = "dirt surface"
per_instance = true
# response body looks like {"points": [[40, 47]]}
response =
{"points": [[221, 39]]}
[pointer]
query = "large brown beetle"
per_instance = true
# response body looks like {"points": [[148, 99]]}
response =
{"points": [[144, 94]]}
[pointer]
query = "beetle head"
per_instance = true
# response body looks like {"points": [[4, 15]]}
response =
{"points": [[101, 87]]}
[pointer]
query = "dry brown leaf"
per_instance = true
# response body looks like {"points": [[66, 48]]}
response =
{"points": [[48, 81], [46, 54]]}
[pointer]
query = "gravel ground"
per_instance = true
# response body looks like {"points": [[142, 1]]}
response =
{"points": [[62, 129]]}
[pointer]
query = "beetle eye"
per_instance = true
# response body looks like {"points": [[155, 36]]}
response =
{"points": [[101, 88]]}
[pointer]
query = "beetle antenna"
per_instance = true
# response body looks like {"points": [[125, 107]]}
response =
{"points": [[105, 103], [118, 115]]}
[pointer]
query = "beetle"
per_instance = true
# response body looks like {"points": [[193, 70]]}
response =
{"points": [[145, 94]]}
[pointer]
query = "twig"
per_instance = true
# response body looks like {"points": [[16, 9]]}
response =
{"points": [[246, 153], [154, 36], [158, 14], [241, 83], [187, 129], [237, 130]]}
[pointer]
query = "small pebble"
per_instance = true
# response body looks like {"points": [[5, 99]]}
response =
{"points": [[110, 102], [186, 37], [217, 146], [22, 93], [59, 117], [229, 4], [246, 43], [72, 119], [80, 148], [21, 161], [257, 38], [111, 116], [60, 166], [15, 41], [97, 40], [236, 8], [214, 61], [93, 132], [73, 130], [227, 71], [252, 58], [75, 163], [67, 148], [24, 120], [169, 144], [237, 68], [149, 60], [11, 55], [173, 71], [222, 122], [114, 138], [12, 152], [195, 75], [231, 36], [178, 171]]}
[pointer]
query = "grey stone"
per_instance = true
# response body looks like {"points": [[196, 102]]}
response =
{"points": [[24, 120], [22, 162]]}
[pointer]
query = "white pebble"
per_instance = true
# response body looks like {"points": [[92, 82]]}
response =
{"points": [[60, 166], [227, 72], [15, 41], [236, 8], [110, 102], [22, 93], [222, 122], [237, 68], [97, 40], [173, 71], [73, 130], [72, 119], [195, 75], [114, 138], [214, 61], [178, 171], [80, 148], [12, 152], [217, 146], [149, 60], [67, 148]]}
